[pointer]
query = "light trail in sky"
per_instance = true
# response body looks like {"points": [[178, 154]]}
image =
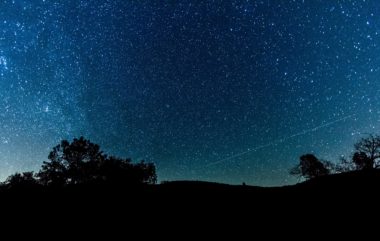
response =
{"points": [[304, 132]]}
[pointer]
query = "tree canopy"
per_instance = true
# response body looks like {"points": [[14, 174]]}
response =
{"points": [[310, 167], [83, 162], [367, 153]]}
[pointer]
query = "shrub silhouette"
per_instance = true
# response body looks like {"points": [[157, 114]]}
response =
{"points": [[310, 167], [82, 162], [116, 170], [21, 180]]}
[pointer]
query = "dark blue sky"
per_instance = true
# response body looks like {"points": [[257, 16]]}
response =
{"points": [[226, 91]]}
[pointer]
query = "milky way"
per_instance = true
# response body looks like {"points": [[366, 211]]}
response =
{"points": [[186, 84]]}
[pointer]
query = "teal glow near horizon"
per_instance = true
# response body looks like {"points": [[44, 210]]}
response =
{"points": [[224, 91]]}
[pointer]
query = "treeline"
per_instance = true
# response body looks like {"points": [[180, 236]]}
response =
{"points": [[366, 156], [82, 162]]}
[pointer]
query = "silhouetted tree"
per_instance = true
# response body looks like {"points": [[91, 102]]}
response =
{"points": [[331, 167], [21, 180], [367, 153], [53, 173], [82, 161], [310, 167], [344, 165], [362, 161], [116, 170], [146, 172], [71, 163]]}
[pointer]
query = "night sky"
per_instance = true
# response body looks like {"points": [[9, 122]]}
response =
{"points": [[227, 91]]}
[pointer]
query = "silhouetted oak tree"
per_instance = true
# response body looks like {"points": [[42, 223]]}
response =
{"points": [[310, 167], [367, 153], [82, 161]]}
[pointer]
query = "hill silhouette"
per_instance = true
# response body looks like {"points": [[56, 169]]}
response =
{"points": [[348, 182], [342, 195], [335, 184], [79, 177]]}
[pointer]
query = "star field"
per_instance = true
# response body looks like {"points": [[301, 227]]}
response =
{"points": [[227, 91]]}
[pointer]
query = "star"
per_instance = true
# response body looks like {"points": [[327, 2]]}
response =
{"points": [[188, 85]]}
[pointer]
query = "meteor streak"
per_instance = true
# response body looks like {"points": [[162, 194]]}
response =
{"points": [[304, 132]]}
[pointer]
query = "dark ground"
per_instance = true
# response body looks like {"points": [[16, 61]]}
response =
{"points": [[346, 186], [349, 199]]}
